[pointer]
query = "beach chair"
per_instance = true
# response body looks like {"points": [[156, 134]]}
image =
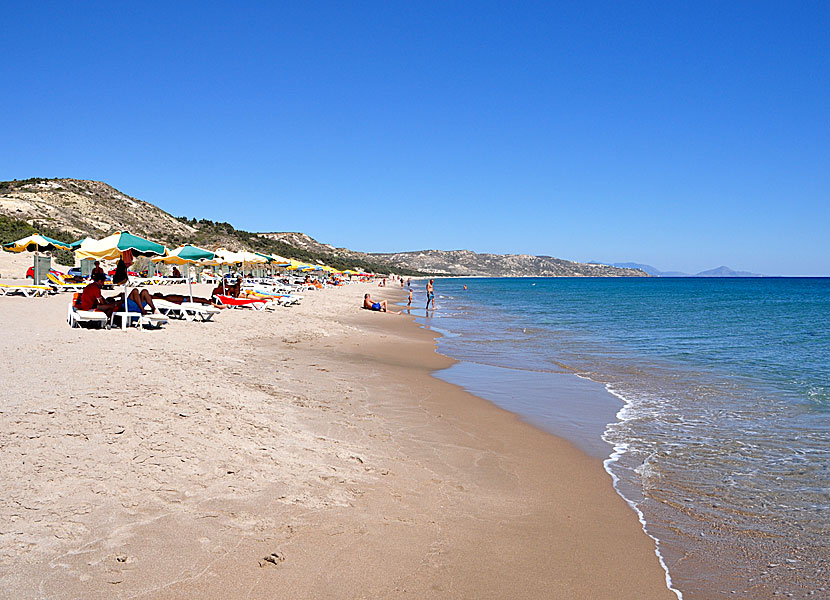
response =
{"points": [[75, 316], [128, 319], [241, 302], [59, 283], [29, 291], [198, 311], [170, 309], [190, 311]]}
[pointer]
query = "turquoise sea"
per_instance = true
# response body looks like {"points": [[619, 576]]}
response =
{"points": [[709, 400]]}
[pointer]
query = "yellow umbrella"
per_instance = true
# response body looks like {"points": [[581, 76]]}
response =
{"points": [[35, 243]]}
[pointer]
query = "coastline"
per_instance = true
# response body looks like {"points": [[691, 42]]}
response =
{"points": [[317, 434]]}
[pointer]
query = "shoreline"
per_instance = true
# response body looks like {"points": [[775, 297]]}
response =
{"points": [[586, 432], [316, 437]]}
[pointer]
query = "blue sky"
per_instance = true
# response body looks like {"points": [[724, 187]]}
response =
{"points": [[685, 135]]}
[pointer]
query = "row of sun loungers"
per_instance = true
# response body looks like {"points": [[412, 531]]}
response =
{"points": [[30, 291], [260, 294], [76, 317]]}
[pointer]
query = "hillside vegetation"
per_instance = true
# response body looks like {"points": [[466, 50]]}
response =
{"points": [[68, 209]]}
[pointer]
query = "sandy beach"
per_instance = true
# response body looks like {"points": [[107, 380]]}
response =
{"points": [[304, 453]]}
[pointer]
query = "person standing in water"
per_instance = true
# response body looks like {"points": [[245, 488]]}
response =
{"points": [[410, 298], [431, 293]]}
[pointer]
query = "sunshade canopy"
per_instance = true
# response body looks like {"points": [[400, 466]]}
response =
{"points": [[35, 243], [113, 246], [227, 257], [268, 258], [76, 244], [187, 254], [252, 257]]}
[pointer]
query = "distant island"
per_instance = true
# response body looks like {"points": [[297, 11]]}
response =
{"points": [[655, 272]]}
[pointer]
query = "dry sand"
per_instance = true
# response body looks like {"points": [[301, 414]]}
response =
{"points": [[305, 453]]}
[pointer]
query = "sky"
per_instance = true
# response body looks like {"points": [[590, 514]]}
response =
{"points": [[686, 135]]}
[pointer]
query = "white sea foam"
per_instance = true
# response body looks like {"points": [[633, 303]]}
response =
{"points": [[621, 449]]}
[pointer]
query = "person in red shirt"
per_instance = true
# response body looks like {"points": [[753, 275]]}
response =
{"points": [[92, 299]]}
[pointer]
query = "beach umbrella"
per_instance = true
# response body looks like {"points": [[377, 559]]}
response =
{"points": [[77, 243], [35, 243], [186, 255], [115, 246]]}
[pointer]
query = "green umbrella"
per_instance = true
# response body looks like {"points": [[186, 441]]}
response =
{"points": [[114, 246], [186, 255]]}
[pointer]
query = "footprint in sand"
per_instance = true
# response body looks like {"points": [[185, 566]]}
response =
{"points": [[274, 558]]}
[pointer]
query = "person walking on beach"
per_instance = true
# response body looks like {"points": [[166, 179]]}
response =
{"points": [[410, 298], [431, 293]]}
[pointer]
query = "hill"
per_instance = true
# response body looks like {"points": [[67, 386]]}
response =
{"points": [[69, 209], [717, 272], [72, 208], [464, 262]]}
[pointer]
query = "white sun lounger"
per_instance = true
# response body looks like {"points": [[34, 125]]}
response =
{"points": [[200, 311], [186, 310], [169, 309], [151, 321], [75, 317]]}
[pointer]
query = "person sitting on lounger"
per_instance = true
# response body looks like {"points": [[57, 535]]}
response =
{"points": [[176, 273], [228, 289], [381, 306], [92, 299], [137, 302]]}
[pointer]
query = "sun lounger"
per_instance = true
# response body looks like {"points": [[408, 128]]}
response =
{"points": [[200, 311], [30, 291], [186, 310], [75, 317], [59, 284], [242, 302], [170, 309], [279, 298], [150, 321]]}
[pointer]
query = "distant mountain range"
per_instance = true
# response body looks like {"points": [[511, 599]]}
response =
{"points": [[462, 262], [717, 272]]}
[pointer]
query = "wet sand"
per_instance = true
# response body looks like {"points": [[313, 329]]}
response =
{"points": [[305, 453]]}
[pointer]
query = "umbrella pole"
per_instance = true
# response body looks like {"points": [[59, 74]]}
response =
{"points": [[189, 286]]}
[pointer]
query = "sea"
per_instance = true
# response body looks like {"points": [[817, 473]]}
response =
{"points": [[708, 401]]}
